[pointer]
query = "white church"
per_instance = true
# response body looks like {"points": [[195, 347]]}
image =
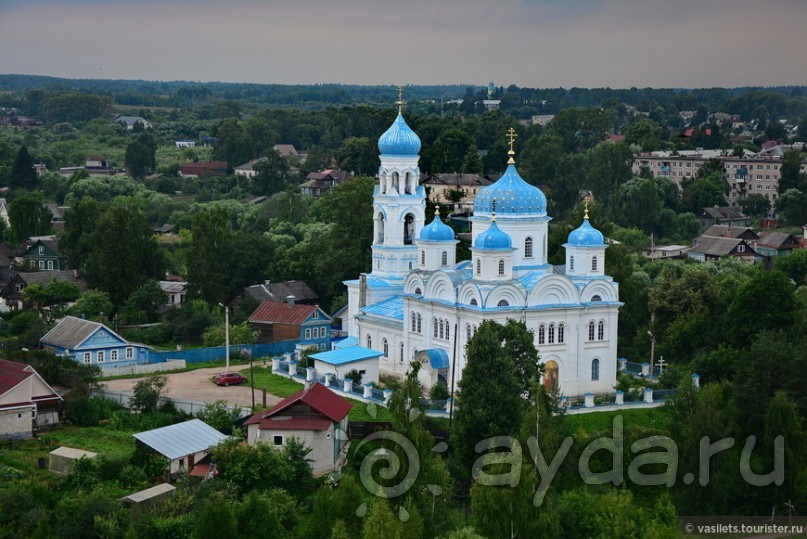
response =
{"points": [[419, 302]]}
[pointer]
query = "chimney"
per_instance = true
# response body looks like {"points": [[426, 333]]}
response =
{"points": [[290, 301]]}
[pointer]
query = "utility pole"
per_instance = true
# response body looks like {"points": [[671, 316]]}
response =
{"points": [[652, 352], [226, 337]]}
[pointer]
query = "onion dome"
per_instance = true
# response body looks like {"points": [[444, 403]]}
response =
{"points": [[437, 230], [512, 194], [399, 139], [494, 238], [586, 235]]}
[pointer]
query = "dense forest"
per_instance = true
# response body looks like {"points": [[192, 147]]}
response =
{"points": [[739, 326]]}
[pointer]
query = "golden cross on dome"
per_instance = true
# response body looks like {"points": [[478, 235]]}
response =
{"points": [[400, 101], [585, 205], [511, 134]]}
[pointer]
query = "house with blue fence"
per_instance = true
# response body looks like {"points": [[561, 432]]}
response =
{"points": [[93, 343], [276, 321]]}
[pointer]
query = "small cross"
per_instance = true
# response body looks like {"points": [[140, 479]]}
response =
{"points": [[400, 101], [511, 133], [660, 365]]}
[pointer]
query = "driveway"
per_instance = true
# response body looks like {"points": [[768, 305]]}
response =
{"points": [[197, 386]]}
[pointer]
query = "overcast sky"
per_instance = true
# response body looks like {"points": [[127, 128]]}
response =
{"points": [[535, 43]]}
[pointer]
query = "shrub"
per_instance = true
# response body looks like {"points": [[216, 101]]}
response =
{"points": [[90, 411]]}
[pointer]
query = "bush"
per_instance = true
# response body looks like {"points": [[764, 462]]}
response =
{"points": [[90, 411], [439, 392], [354, 375]]}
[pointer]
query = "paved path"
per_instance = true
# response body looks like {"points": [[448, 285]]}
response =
{"points": [[197, 386]]}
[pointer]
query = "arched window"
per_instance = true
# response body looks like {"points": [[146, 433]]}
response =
{"points": [[409, 229], [442, 330], [414, 318], [595, 369], [528, 248], [541, 334], [474, 302], [478, 266], [448, 331], [571, 263], [423, 258], [410, 265], [369, 341], [596, 298], [418, 292], [561, 333], [593, 263], [501, 267], [385, 346], [551, 334], [434, 325], [591, 330], [503, 303], [444, 259], [400, 352], [601, 331], [420, 324], [380, 219]]}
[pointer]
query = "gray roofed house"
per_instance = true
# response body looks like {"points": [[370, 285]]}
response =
{"points": [[12, 283], [184, 444], [730, 231], [772, 244], [719, 215], [71, 332], [279, 291], [711, 248], [93, 343]]}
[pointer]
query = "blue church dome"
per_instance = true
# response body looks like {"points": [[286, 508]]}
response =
{"points": [[586, 236], [437, 230], [512, 195], [399, 139], [493, 238]]}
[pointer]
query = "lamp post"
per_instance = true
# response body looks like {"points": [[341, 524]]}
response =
{"points": [[652, 353], [226, 338]]}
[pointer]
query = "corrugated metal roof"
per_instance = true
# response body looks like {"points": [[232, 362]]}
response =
{"points": [[345, 343], [182, 439], [346, 355], [283, 313], [392, 308], [149, 493], [71, 332]]}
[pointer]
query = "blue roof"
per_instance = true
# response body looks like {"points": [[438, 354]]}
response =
{"points": [[493, 238], [586, 236], [344, 343], [399, 139], [391, 308], [438, 359], [512, 195], [343, 356], [437, 230]]}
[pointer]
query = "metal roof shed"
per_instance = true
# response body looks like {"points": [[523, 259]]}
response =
{"points": [[149, 497], [183, 444], [62, 459]]}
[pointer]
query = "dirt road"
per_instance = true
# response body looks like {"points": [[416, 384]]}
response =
{"points": [[198, 386]]}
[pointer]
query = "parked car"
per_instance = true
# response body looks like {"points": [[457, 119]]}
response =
{"points": [[229, 378]]}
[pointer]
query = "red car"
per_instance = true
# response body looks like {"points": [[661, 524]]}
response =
{"points": [[229, 378]]}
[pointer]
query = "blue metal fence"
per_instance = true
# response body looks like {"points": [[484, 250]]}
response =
{"points": [[203, 355]]}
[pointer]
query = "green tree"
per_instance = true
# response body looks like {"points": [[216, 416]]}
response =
{"points": [[646, 134], [490, 401], [756, 205], [146, 393], [272, 174], [791, 175], [766, 301], [215, 521], [23, 174], [140, 157], [473, 161], [239, 334], [792, 206], [209, 253], [232, 143], [703, 192], [92, 304], [28, 217], [358, 155], [143, 304], [51, 298], [78, 238]]}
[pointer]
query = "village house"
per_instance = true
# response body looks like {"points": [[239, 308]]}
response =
{"points": [[203, 168], [93, 343], [276, 291], [319, 183], [40, 253], [130, 122], [27, 401], [771, 244], [316, 416], [710, 248], [459, 189], [185, 445], [12, 284], [276, 321]]}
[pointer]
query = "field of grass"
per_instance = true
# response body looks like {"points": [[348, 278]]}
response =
{"points": [[599, 423]]}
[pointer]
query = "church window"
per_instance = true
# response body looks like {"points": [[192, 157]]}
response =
{"points": [[413, 321], [410, 265], [528, 248], [448, 331], [601, 331], [571, 263], [594, 263], [418, 292], [551, 333], [369, 341], [434, 324], [467, 332], [561, 332], [400, 352], [596, 297], [385, 345], [422, 258], [409, 229], [420, 324], [595, 369], [591, 330], [541, 334], [503, 303], [478, 266], [501, 267], [444, 259], [442, 334], [474, 302]]}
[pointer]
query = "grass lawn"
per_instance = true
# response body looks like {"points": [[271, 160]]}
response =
{"points": [[597, 423]]}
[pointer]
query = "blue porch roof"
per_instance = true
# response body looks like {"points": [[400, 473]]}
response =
{"points": [[343, 356]]}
